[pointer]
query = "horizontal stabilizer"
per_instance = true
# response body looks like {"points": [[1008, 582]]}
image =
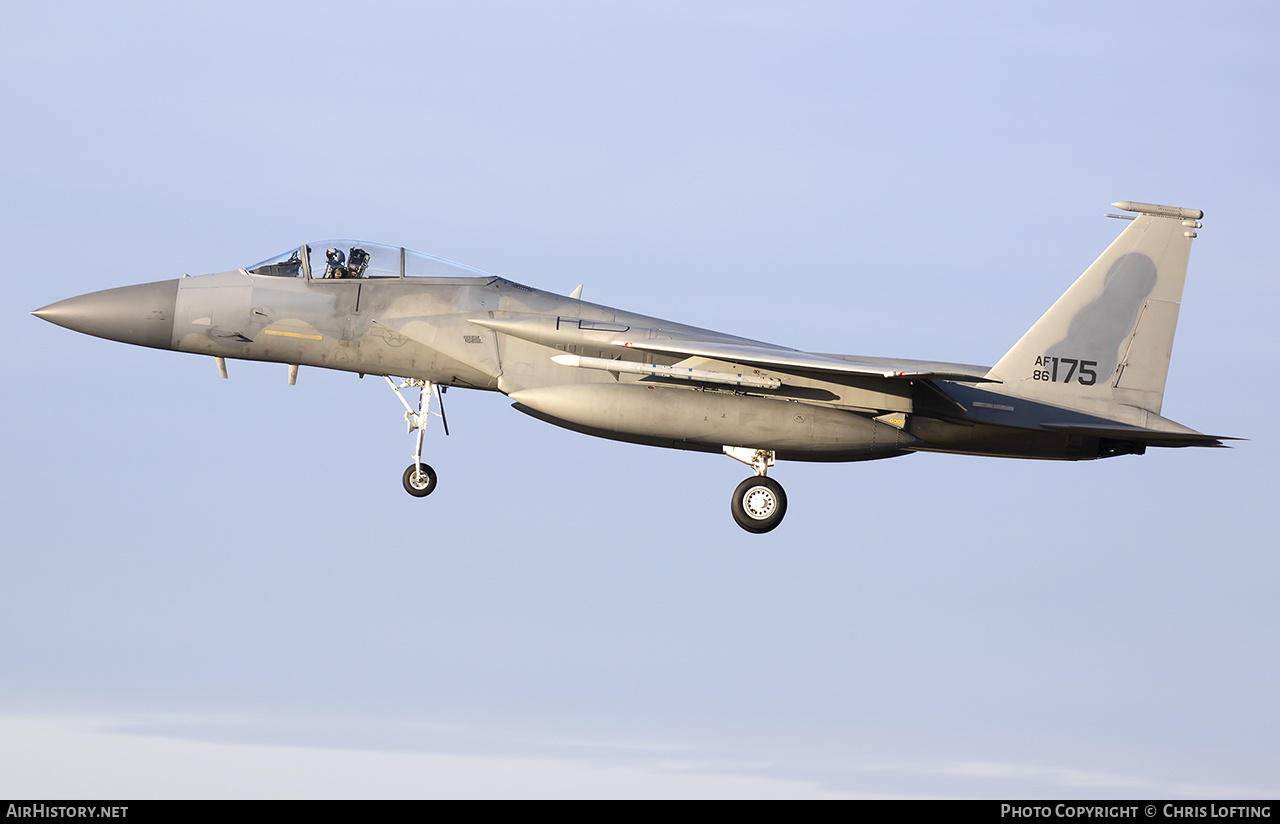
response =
{"points": [[790, 360], [1154, 437]]}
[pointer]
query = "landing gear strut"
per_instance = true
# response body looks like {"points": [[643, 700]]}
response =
{"points": [[419, 479], [758, 503]]}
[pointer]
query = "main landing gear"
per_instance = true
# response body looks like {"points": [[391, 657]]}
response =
{"points": [[420, 479], [760, 502]]}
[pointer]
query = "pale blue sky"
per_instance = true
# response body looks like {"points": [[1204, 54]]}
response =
{"points": [[197, 569]]}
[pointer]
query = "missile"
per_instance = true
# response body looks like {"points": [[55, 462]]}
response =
{"points": [[681, 372], [1156, 209]]}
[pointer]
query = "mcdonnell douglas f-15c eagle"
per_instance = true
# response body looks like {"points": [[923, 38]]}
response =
{"points": [[1086, 381]]}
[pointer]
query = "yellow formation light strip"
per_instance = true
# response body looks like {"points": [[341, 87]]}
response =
{"points": [[292, 334]]}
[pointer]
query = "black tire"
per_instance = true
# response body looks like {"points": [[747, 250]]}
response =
{"points": [[415, 486], [759, 504]]}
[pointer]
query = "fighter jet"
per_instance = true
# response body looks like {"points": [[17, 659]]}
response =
{"points": [[1086, 381]]}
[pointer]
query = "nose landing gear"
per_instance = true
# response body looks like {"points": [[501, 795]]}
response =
{"points": [[419, 479], [758, 503]]}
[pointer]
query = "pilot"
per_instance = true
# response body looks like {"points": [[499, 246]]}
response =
{"points": [[337, 260]]}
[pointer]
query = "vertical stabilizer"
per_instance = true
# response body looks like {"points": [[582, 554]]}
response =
{"points": [[1104, 346]]}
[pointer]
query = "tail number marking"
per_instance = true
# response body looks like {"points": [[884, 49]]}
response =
{"points": [[1064, 370]]}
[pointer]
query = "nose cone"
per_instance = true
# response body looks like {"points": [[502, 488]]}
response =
{"points": [[141, 315]]}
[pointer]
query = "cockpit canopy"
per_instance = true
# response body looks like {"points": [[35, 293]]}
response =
{"points": [[354, 259]]}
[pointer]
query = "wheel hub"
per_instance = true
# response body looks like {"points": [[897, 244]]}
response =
{"points": [[759, 502]]}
